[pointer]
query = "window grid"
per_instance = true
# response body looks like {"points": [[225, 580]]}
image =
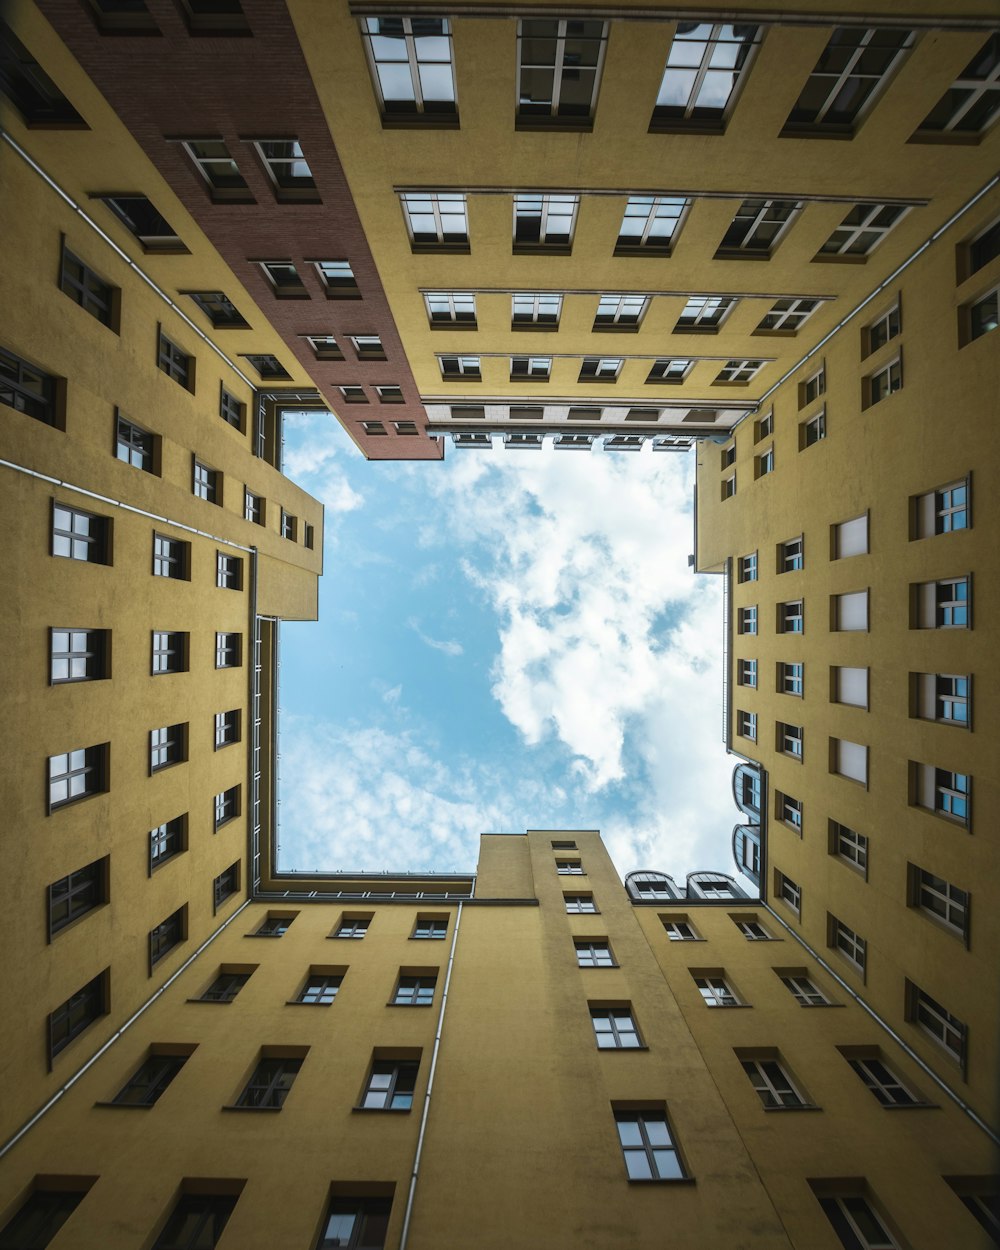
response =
{"points": [[788, 315], [533, 368], [415, 991], [791, 679], [320, 991], [746, 673], [228, 571], [791, 617], [77, 655], [227, 728], [134, 445], [165, 841], [863, 229], [75, 775], [27, 389], [620, 311], [753, 931], [285, 163], [544, 220], [648, 1148], [71, 897], [543, 309], [205, 482], [938, 1023], [746, 621], [411, 61], [805, 991], [850, 945], [615, 1028], [791, 555], [941, 899], [951, 508], [790, 739], [274, 926], [856, 1224], [231, 410], [739, 370], [226, 806], [214, 162], [166, 746], [746, 725], [651, 223], [225, 885], [848, 845], [85, 288], [984, 314], [757, 227], [790, 811], [149, 1080], [390, 1085], [951, 698], [432, 930], [883, 1082], [460, 367], [885, 382], [452, 307], [773, 1084], [173, 362], [353, 928], [789, 892], [669, 370], [972, 102], [271, 1083], [705, 68], [593, 954], [747, 571], [165, 936], [579, 903], [951, 794], [716, 992], [705, 312], [559, 70], [77, 1013], [437, 220], [851, 71], [227, 650], [253, 507], [601, 368], [680, 931], [225, 987], [814, 430], [952, 603], [883, 331]]}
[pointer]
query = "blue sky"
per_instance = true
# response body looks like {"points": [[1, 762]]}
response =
{"points": [[507, 640]]}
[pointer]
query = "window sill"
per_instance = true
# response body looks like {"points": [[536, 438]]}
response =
{"points": [[297, 1002], [454, 325], [233, 1107], [420, 121], [542, 249], [263, 935], [409, 1005], [659, 1180], [642, 249], [620, 1050], [214, 1002], [810, 1106], [450, 249], [381, 1110], [126, 1106]]}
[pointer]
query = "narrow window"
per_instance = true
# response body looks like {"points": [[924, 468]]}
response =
{"points": [[861, 231], [166, 935], [175, 362], [227, 806], [559, 71], [151, 1078], [167, 746], [167, 840], [412, 68], [757, 228], [773, 1085], [77, 1013], [74, 896], [31, 391], [90, 291], [171, 557]]}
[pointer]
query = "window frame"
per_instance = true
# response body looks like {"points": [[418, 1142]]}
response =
{"points": [[561, 74], [683, 118], [95, 654], [87, 289], [424, 112]]}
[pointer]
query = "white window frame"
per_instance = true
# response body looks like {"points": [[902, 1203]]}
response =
{"points": [[420, 110], [746, 673], [884, 382], [844, 241], [601, 368], [842, 938], [705, 312], [465, 367], [755, 214], [804, 990], [748, 567], [530, 368], [561, 72], [274, 165], [791, 678], [652, 211], [890, 322], [681, 67], [813, 430], [789, 892], [746, 622], [669, 369], [848, 845], [976, 87], [620, 311], [740, 370], [941, 900], [544, 212], [456, 315], [773, 1096], [432, 204], [936, 1022], [838, 80], [716, 991], [787, 316], [535, 309]]}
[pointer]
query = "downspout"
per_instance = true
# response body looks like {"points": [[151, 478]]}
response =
{"points": [[430, 1086]]}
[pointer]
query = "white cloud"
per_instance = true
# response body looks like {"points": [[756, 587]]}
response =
{"points": [[446, 646], [313, 460]]}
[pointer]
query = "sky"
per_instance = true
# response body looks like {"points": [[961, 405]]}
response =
{"points": [[508, 640]]}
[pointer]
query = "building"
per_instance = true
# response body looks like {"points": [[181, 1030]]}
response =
{"points": [[226, 211]]}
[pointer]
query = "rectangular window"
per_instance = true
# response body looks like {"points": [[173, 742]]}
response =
{"points": [[367, 346], [36, 97], [882, 383], [595, 953], [289, 525], [763, 427], [228, 650], [338, 279], [454, 308], [940, 899], [166, 935], [77, 1013], [746, 673], [789, 739], [803, 989], [680, 930], [228, 571], [944, 792], [324, 346], [600, 368], [849, 75], [650, 225], [227, 728], [360, 1222], [569, 868], [746, 725], [27, 389], [980, 1195], [415, 991], [739, 371], [716, 991], [169, 652], [411, 61], [936, 1022], [175, 362], [855, 1222], [352, 927], [885, 1085], [171, 557], [791, 617], [430, 928], [788, 891], [225, 885], [775, 1088], [269, 368], [140, 216], [390, 1085], [941, 605], [944, 510], [746, 620], [791, 555], [757, 228], [213, 161], [673, 370], [747, 569], [841, 938], [151, 1078], [232, 410], [77, 775], [979, 317], [460, 367], [559, 71], [752, 930], [861, 231], [219, 309], [788, 811], [92, 293], [544, 221], [135, 446], [286, 165], [764, 463], [74, 896], [206, 483], [436, 220], [530, 368], [813, 430], [167, 746], [320, 988], [167, 840], [850, 686], [787, 316], [971, 103], [275, 924], [812, 388], [790, 679], [197, 1215], [225, 987], [620, 312], [79, 655], [881, 331], [704, 313], [580, 903], [253, 507], [284, 279], [648, 1147], [706, 67], [849, 846], [849, 612], [535, 311], [849, 538], [227, 806], [615, 1028], [270, 1083]]}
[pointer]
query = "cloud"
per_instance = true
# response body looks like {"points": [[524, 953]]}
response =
{"points": [[448, 647], [312, 459]]}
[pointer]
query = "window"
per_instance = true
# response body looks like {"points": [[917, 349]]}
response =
{"points": [[390, 1085], [788, 891], [746, 725], [753, 930], [749, 788], [324, 346], [196, 1222], [92, 293], [338, 279], [789, 811], [791, 617], [544, 221], [940, 899], [356, 1223], [653, 887], [615, 1028], [849, 846], [680, 931], [253, 507], [275, 924], [944, 792], [862, 230], [787, 316], [225, 885], [764, 463], [580, 903], [150, 1079], [813, 430], [415, 991], [600, 368], [716, 991], [881, 331], [855, 1222], [849, 612], [747, 568], [812, 388], [650, 225], [227, 728], [430, 928], [45, 1210], [941, 605], [374, 429], [174, 362], [270, 1083], [769, 1078], [647, 1145], [530, 368], [353, 927], [789, 739], [981, 316], [167, 746], [850, 73], [569, 868], [79, 655], [849, 538], [319, 988], [675, 370], [215, 164], [704, 313], [228, 571], [285, 163], [411, 63], [436, 220], [728, 456], [746, 673], [705, 68], [884, 1084], [942, 511], [981, 1196], [140, 216], [739, 370], [453, 308], [136, 446], [27, 389], [620, 312], [790, 679], [170, 652], [171, 557], [225, 987], [166, 935], [460, 367], [74, 896], [289, 525], [77, 775], [559, 71], [167, 840], [840, 937], [227, 806], [764, 427], [757, 228], [31, 90], [535, 311], [746, 620], [284, 279], [882, 383], [220, 310], [269, 368], [595, 953], [368, 346], [228, 650], [231, 410], [983, 248], [849, 686], [972, 102], [309, 538], [791, 555], [804, 991], [950, 695], [936, 1022]]}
